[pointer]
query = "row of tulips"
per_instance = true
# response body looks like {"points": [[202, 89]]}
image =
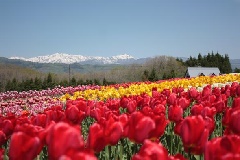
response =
{"points": [[138, 88], [58, 90], [35, 101]]}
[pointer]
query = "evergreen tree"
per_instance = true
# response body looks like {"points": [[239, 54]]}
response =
{"points": [[64, 83], [1, 87], [37, 83], [236, 70], [14, 85], [28, 84], [227, 65], [89, 81], [164, 76], [80, 82], [48, 82], [180, 60], [104, 81], [211, 60], [73, 82], [44, 84], [145, 75], [172, 74], [96, 82], [8, 86], [153, 76], [200, 58]]}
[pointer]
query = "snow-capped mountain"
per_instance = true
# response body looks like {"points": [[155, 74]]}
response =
{"points": [[69, 59]]}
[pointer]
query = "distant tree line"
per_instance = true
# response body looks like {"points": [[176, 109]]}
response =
{"points": [[209, 60], [49, 82]]}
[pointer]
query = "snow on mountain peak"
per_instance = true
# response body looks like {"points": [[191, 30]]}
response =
{"points": [[123, 56], [69, 59]]}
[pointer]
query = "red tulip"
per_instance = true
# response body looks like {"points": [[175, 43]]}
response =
{"points": [[96, 113], [139, 100], [211, 98], [140, 127], [177, 127], [159, 109], [236, 102], [132, 106], [231, 121], [63, 138], [74, 115], [196, 109], [147, 111], [22, 119], [123, 119], [55, 114], [151, 151], [233, 89], [162, 99], [123, 102], [220, 106], [172, 99], [39, 120], [166, 92], [226, 147], [154, 89], [80, 103], [145, 101], [113, 104], [158, 116], [25, 142], [113, 131], [194, 134], [175, 113], [96, 140], [7, 127], [184, 103], [180, 89], [209, 124], [23, 146], [234, 122], [128, 103], [208, 112], [227, 90], [155, 93], [216, 91], [184, 94], [207, 91], [238, 90], [226, 117], [160, 123], [193, 93]]}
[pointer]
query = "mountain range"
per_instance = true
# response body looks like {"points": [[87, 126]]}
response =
{"points": [[59, 62], [70, 59]]}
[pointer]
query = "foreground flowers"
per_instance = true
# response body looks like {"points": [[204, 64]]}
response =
{"points": [[226, 147], [131, 121]]}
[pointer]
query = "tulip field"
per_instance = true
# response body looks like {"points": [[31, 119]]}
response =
{"points": [[175, 119]]}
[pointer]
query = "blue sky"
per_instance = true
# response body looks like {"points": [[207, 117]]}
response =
{"points": [[141, 28]]}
